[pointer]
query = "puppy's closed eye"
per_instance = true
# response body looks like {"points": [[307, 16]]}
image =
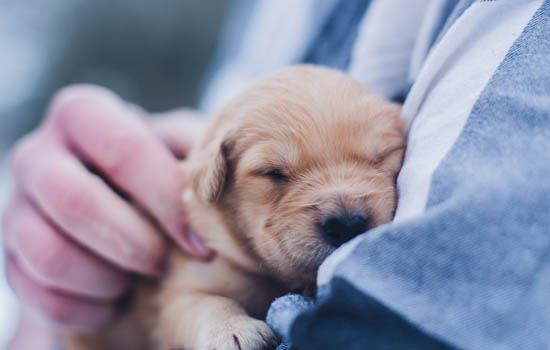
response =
{"points": [[275, 174]]}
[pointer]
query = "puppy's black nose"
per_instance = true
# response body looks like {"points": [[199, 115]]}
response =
{"points": [[341, 228]]}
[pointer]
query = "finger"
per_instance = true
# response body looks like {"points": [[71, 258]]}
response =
{"points": [[179, 129], [55, 261], [113, 139], [61, 309], [84, 207]]}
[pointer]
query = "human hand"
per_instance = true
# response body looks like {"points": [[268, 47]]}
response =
{"points": [[94, 188]]}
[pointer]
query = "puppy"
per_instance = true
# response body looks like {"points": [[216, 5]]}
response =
{"points": [[296, 165]]}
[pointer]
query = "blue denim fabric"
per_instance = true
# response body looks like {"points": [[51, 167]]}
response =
{"points": [[333, 46], [474, 271]]}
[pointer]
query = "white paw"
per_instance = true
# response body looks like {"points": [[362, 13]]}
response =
{"points": [[240, 333]]}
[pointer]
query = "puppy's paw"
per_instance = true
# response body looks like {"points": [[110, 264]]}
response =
{"points": [[241, 333]]}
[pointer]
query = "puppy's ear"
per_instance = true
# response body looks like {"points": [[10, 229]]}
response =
{"points": [[391, 140], [211, 170], [393, 159]]}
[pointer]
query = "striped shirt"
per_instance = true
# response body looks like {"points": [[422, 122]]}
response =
{"points": [[466, 262]]}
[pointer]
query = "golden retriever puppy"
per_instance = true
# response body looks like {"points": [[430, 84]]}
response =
{"points": [[296, 165]]}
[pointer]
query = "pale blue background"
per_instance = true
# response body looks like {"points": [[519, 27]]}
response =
{"points": [[8, 304]]}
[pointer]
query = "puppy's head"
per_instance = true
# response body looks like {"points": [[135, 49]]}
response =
{"points": [[298, 164]]}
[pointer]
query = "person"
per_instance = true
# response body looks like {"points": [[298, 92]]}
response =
{"points": [[464, 264]]}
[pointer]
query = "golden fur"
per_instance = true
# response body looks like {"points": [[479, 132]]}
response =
{"points": [[295, 147]]}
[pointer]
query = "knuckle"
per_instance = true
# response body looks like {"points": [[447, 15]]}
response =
{"points": [[52, 307], [47, 261], [39, 247], [64, 195]]}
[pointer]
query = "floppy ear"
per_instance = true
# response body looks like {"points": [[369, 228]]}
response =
{"points": [[393, 159], [391, 140], [210, 169]]}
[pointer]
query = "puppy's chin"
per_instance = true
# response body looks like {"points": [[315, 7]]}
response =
{"points": [[294, 261]]}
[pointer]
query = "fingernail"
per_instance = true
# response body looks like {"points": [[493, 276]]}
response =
{"points": [[198, 243]]}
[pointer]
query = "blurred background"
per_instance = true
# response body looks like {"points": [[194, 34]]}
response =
{"points": [[152, 53]]}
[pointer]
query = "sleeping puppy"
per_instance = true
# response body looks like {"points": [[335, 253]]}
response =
{"points": [[299, 163]]}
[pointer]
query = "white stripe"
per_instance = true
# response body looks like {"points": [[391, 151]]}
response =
{"points": [[385, 41], [426, 35], [451, 80]]}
